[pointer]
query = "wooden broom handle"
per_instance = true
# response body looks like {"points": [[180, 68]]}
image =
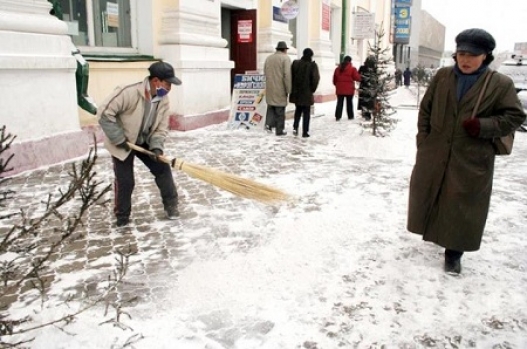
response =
{"points": [[163, 158]]}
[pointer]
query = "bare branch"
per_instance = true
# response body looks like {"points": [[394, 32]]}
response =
{"points": [[32, 242]]}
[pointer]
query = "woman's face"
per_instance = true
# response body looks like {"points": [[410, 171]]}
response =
{"points": [[468, 63]]}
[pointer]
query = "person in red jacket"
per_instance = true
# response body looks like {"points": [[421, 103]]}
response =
{"points": [[344, 79]]}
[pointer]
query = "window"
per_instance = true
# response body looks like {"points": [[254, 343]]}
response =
{"points": [[99, 23]]}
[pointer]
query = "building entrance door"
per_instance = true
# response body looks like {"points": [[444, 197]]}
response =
{"points": [[243, 41]]}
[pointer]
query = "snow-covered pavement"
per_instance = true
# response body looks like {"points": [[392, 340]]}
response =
{"points": [[335, 268]]}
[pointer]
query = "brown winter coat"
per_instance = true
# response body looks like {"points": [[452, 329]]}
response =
{"points": [[451, 182], [305, 77], [277, 70]]}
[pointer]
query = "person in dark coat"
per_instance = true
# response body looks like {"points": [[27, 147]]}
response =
{"points": [[451, 182], [305, 78], [366, 93], [398, 77], [407, 75], [344, 79]]}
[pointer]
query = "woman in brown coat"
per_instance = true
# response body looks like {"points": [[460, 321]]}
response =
{"points": [[451, 182]]}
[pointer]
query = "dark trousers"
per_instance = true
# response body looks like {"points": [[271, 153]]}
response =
{"points": [[275, 117], [125, 182], [304, 112], [452, 255], [340, 105]]}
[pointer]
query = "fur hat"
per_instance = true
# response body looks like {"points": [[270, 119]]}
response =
{"points": [[475, 41], [281, 45]]}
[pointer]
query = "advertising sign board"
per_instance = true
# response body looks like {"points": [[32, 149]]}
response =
{"points": [[363, 26], [248, 106], [289, 9], [402, 24]]}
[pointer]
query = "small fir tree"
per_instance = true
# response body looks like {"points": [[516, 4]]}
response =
{"points": [[31, 240], [376, 88]]}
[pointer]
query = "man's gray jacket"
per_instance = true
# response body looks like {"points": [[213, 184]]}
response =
{"points": [[121, 118]]}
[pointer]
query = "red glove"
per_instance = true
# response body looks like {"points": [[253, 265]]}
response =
{"points": [[472, 126]]}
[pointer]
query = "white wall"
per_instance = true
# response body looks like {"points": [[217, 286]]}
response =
{"points": [[37, 72], [38, 97], [246, 4], [191, 40]]}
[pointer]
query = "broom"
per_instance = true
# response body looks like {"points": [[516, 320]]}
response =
{"points": [[234, 184]]}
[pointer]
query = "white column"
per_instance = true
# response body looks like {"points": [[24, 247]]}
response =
{"points": [[37, 81], [270, 32], [190, 39]]}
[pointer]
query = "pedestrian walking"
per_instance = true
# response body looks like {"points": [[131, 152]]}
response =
{"points": [[139, 113], [451, 182], [407, 75], [367, 72], [398, 77], [277, 70], [344, 78], [305, 78]]}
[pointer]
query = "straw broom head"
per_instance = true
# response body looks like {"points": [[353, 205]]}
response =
{"points": [[232, 183]]}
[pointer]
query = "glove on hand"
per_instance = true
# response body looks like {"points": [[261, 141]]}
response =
{"points": [[124, 145], [157, 153], [472, 126]]}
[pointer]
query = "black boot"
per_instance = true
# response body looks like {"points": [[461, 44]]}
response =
{"points": [[122, 221], [171, 212], [453, 262]]}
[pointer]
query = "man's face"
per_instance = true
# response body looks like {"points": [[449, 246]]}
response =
{"points": [[164, 84], [468, 62], [158, 83]]}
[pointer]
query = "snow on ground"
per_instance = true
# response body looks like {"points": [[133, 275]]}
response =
{"points": [[336, 268]]}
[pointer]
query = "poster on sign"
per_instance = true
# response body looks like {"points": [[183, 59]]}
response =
{"points": [[248, 106], [245, 31], [290, 9]]}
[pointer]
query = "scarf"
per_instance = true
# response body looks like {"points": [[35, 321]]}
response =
{"points": [[466, 81]]}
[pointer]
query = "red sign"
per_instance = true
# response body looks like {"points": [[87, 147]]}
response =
{"points": [[245, 30], [326, 11]]}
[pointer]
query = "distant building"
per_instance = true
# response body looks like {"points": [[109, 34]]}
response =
{"points": [[431, 41], [520, 48], [426, 42], [499, 58]]}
